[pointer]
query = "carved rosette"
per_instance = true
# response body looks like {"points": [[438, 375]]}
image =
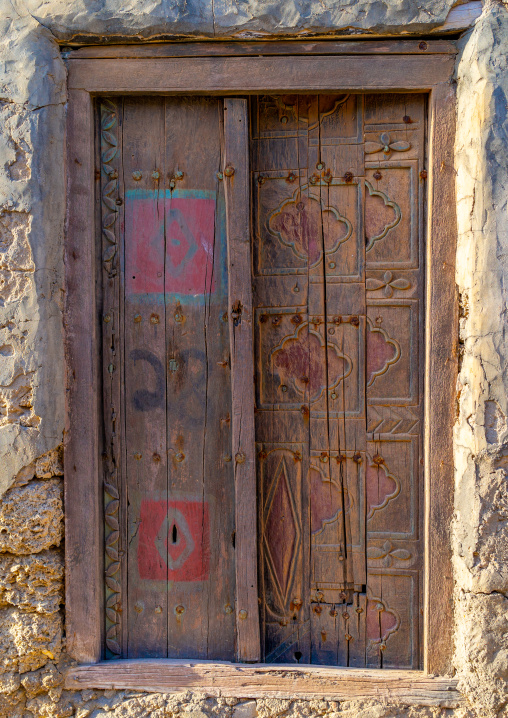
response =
{"points": [[109, 217]]}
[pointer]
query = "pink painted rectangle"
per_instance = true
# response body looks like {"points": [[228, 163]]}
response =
{"points": [[170, 243], [174, 541]]}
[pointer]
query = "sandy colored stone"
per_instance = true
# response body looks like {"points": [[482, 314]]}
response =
{"points": [[32, 96], [481, 441], [45, 679], [245, 710], [482, 651], [32, 208], [28, 640], [31, 517], [50, 464], [33, 582]]}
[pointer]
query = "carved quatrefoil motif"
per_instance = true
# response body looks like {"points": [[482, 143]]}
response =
{"points": [[302, 361], [386, 146], [304, 223]]}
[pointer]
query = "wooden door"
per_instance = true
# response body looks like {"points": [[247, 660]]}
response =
{"points": [[169, 491], [337, 271]]}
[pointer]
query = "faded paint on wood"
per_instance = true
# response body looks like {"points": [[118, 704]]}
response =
{"points": [[337, 272], [335, 261], [165, 299]]}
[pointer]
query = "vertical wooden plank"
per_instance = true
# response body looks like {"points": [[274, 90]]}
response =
{"points": [[236, 177], [441, 362], [145, 376], [110, 201], [200, 470], [83, 551]]}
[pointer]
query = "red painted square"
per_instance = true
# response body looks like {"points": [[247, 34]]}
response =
{"points": [[174, 541], [186, 260]]}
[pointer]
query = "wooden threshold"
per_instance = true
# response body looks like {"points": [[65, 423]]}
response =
{"points": [[262, 681]]}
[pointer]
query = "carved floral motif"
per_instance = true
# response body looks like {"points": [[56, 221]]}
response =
{"points": [[109, 151], [387, 553], [388, 283], [302, 361], [386, 146], [305, 224]]}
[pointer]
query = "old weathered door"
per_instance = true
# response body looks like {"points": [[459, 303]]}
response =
{"points": [[337, 271], [337, 287], [169, 493]]}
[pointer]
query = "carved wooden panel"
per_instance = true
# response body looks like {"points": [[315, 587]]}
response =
{"points": [[337, 271], [168, 479]]}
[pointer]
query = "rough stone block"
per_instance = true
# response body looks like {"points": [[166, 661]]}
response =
{"points": [[31, 517], [481, 650], [245, 710], [50, 464], [28, 640], [32, 583]]}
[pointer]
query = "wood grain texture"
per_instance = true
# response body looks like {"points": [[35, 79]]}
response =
{"points": [[290, 47], [109, 236], [236, 178], [441, 363], [260, 681], [83, 521], [260, 74], [83, 529]]}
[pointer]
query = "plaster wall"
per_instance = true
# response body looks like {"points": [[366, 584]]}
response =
{"points": [[32, 216]]}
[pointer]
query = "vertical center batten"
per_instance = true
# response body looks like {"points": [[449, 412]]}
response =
{"points": [[236, 178]]}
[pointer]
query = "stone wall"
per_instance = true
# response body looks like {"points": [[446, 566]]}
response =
{"points": [[32, 214]]}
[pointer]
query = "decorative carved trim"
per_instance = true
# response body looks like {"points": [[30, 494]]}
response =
{"points": [[388, 203], [372, 508], [393, 420], [109, 151], [298, 111], [112, 559], [373, 373]]}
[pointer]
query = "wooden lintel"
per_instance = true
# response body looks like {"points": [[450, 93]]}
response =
{"points": [[227, 75], [273, 47], [261, 681]]}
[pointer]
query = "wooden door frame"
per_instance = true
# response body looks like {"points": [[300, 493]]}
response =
{"points": [[229, 69]]}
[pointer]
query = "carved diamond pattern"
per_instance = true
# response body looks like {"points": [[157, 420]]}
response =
{"points": [[281, 532]]}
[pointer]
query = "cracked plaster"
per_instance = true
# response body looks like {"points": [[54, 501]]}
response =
{"points": [[32, 183]]}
